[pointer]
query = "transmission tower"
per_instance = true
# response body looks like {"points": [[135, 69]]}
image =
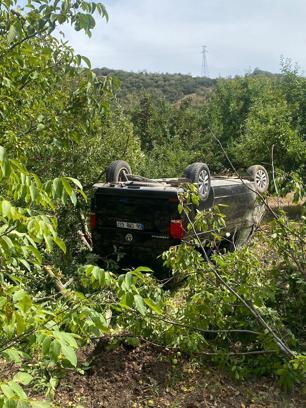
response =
{"points": [[204, 70]]}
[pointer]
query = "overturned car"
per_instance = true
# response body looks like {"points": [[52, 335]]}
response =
{"points": [[139, 216]]}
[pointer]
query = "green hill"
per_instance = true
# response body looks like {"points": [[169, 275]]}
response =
{"points": [[172, 86]]}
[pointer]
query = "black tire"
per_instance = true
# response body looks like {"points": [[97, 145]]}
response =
{"points": [[199, 173], [260, 178], [117, 171]]}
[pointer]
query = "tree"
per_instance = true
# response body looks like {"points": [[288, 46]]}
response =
{"points": [[51, 108], [270, 123]]}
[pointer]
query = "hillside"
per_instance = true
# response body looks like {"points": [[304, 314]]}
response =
{"points": [[172, 86]]}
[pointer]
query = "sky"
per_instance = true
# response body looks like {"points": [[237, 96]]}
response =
{"points": [[167, 36]]}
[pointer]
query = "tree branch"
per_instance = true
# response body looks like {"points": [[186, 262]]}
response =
{"points": [[283, 347]]}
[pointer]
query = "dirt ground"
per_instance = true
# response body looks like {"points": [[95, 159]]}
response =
{"points": [[148, 376]]}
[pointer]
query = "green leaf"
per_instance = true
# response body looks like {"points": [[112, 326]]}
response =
{"points": [[99, 275], [123, 301], [7, 391], [66, 338], [60, 243], [139, 271], [142, 269], [5, 166], [40, 404], [128, 280], [35, 253], [49, 242], [8, 242], [6, 208], [26, 264], [23, 378], [22, 403], [67, 187], [20, 323], [55, 350], [76, 182], [139, 303], [46, 345], [100, 322], [152, 305], [17, 389], [18, 295], [13, 355], [73, 198], [57, 188], [2, 153], [12, 33], [70, 355], [23, 300], [87, 61], [33, 192], [133, 341], [40, 127]]}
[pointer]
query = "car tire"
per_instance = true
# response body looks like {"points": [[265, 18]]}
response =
{"points": [[199, 173], [117, 171], [260, 178]]}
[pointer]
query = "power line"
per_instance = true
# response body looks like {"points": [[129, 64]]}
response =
{"points": [[204, 70]]}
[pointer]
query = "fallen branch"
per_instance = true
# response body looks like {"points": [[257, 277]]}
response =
{"points": [[215, 331], [61, 287], [198, 353], [84, 240], [273, 170]]}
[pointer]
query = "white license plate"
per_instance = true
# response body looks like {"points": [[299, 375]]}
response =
{"points": [[130, 225]]}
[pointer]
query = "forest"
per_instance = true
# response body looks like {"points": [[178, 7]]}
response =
{"points": [[61, 124]]}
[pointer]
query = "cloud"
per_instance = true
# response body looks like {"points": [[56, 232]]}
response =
{"points": [[166, 36]]}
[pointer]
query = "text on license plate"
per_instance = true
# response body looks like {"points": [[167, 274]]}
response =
{"points": [[130, 225]]}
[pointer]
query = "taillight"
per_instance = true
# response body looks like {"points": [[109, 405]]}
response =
{"points": [[176, 230], [92, 221]]}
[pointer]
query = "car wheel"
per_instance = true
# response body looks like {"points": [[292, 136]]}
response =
{"points": [[117, 171], [199, 174], [260, 178]]}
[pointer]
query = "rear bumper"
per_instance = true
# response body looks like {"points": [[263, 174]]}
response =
{"points": [[137, 247]]}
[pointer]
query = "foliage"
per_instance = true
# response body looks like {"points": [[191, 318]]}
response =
{"points": [[208, 315], [269, 124], [248, 115], [40, 332], [290, 183], [57, 117], [170, 135], [288, 269], [51, 108]]}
